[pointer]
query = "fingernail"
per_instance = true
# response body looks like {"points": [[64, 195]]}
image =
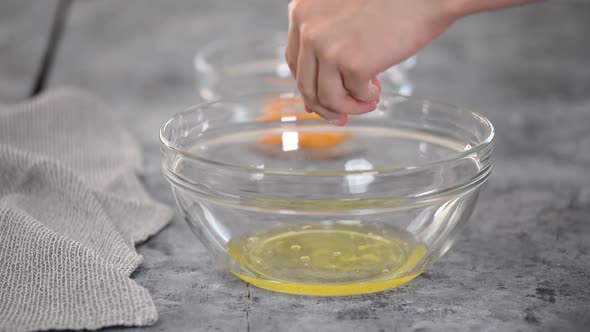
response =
{"points": [[340, 122], [377, 82], [308, 109], [373, 89]]}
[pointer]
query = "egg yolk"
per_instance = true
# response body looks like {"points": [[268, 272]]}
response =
{"points": [[277, 110]]}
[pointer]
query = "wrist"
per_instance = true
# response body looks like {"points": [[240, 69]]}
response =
{"points": [[455, 9], [459, 8]]}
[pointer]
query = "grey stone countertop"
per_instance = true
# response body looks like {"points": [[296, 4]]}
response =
{"points": [[23, 36], [523, 261]]}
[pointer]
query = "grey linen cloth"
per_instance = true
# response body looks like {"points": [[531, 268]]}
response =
{"points": [[72, 209]]}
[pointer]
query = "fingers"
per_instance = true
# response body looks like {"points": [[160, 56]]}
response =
{"points": [[322, 86], [328, 84], [338, 119], [307, 76], [292, 50], [332, 95]]}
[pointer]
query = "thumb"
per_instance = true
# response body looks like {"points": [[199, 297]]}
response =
{"points": [[362, 89]]}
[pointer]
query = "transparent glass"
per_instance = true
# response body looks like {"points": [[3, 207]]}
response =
{"points": [[290, 203], [257, 64]]}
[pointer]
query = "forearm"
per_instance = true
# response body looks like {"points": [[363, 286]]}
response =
{"points": [[460, 8]]}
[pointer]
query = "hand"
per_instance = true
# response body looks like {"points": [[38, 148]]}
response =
{"points": [[336, 48]]}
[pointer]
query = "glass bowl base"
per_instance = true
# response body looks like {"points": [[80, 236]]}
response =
{"points": [[336, 260]]}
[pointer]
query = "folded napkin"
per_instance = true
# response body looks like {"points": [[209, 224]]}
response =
{"points": [[72, 209]]}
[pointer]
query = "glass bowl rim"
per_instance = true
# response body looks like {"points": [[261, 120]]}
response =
{"points": [[204, 54], [481, 146]]}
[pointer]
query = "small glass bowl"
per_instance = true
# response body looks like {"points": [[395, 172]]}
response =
{"points": [[290, 203], [227, 66]]}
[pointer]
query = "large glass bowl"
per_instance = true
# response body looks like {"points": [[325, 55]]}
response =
{"points": [[290, 203], [257, 64]]}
